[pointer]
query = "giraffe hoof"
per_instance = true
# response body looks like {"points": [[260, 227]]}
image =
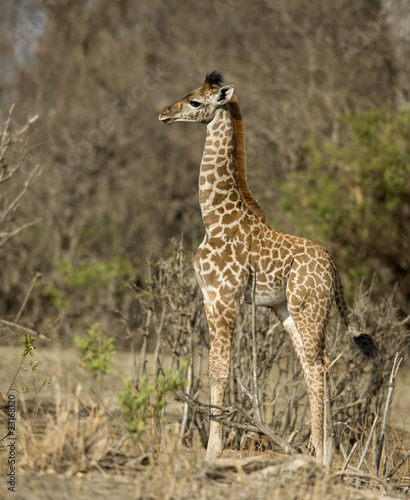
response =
{"points": [[213, 453]]}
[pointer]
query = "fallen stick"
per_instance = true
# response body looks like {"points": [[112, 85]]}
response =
{"points": [[397, 467], [361, 475], [251, 426]]}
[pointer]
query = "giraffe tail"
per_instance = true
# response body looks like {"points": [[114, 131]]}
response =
{"points": [[364, 342]]}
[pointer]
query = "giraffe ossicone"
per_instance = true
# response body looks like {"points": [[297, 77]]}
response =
{"points": [[295, 277]]}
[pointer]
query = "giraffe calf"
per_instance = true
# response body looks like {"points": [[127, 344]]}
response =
{"points": [[295, 277]]}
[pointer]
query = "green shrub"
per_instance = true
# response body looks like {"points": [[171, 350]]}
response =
{"points": [[354, 197], [27, 340], [148, 400], [57, 298], [95, 276], [78, 286], [96, 351]]}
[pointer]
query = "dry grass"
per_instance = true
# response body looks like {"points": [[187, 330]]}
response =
{"points": [[76, 433], [74, 444]]}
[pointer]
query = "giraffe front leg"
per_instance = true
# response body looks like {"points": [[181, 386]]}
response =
{"points": [[221, 326]]}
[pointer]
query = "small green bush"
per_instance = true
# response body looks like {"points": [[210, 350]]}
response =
{"points": [[148, 400], [57, 298], [95, 276], [78, 286], [96, 351], [27, 340]]}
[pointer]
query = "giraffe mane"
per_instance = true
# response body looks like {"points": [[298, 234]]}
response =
{"points": [[214, 78], [240, 158]]}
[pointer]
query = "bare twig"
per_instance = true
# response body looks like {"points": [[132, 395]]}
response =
{"points": [[396, 365], [10, 324], [5, 131], [190, 376], [174, 299], [5, 236], [398, 465], [255, 399], [361, 475], [245, 389], [347, 461], [277, 440], [158, 330], [253, 425], [33, 176], [145, 333], [30, 289], [366, 447], [405, 320], [342, 448], [333, 363]]}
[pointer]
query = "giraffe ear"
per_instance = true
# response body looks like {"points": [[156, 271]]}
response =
{"points": [[224, 94]]}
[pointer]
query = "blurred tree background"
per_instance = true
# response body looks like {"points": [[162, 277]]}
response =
{"points": [[324, 88]]}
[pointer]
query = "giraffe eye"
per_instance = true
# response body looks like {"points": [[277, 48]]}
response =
{"points": [[195, 104]]}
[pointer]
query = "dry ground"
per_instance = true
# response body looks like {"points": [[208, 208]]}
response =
{"points": [[60, 459]]}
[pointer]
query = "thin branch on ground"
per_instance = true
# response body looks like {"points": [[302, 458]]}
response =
{"points": [[361, 475], [398, 465], [251, 426]]}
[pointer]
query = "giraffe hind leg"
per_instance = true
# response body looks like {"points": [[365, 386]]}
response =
{"points": [[313, 363]]}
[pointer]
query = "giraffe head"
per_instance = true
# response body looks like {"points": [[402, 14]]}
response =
{"points": [[201, 104]]}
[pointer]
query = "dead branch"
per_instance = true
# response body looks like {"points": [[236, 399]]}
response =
{"points": [[12, 207], [141, 370], [398, 465], [396, 365], [7, 140], [361, 475], [366, 447], [347, 461], [6, 236], [251, 426], [190, 376], [255, 398], [10, 324], [30, 289]]}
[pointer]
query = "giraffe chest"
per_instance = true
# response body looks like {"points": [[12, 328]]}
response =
{"points": [[222, 266]]}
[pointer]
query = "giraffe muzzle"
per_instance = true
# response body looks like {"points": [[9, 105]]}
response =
{"points": [[164, 117], [168, 121]]}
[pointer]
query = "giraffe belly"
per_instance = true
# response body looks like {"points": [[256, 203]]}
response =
{"points": [[266, 296]]}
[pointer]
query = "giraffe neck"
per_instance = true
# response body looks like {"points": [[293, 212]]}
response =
{"points": [[218, 190], [223, 190]]}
